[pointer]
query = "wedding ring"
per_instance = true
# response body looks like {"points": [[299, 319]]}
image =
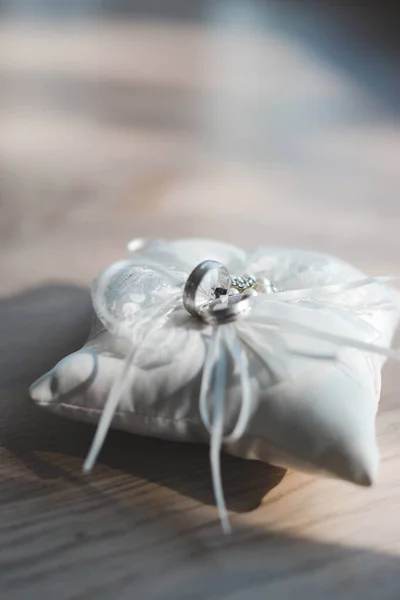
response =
{"points": [[219, 313], [195, 280]]}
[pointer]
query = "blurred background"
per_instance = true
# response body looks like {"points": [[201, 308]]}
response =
{"points": [[252, 121]]}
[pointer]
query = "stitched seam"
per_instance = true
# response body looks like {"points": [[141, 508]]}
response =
{"points": [[121, 413]]}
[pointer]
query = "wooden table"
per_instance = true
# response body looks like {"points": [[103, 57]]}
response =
{"points": [[324, 174]]}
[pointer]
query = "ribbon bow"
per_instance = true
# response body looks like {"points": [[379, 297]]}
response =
{"points": [[223, 304]]}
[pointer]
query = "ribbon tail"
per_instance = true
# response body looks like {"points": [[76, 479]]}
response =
{"points": [[107, 415], [358, 283], [336, 288], [206, 380], [116, 393], [239, 357], [328, 356], [336, 339], [216, 437]]}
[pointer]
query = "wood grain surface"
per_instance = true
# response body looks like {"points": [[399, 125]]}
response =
{"points": [[112, 130]]}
